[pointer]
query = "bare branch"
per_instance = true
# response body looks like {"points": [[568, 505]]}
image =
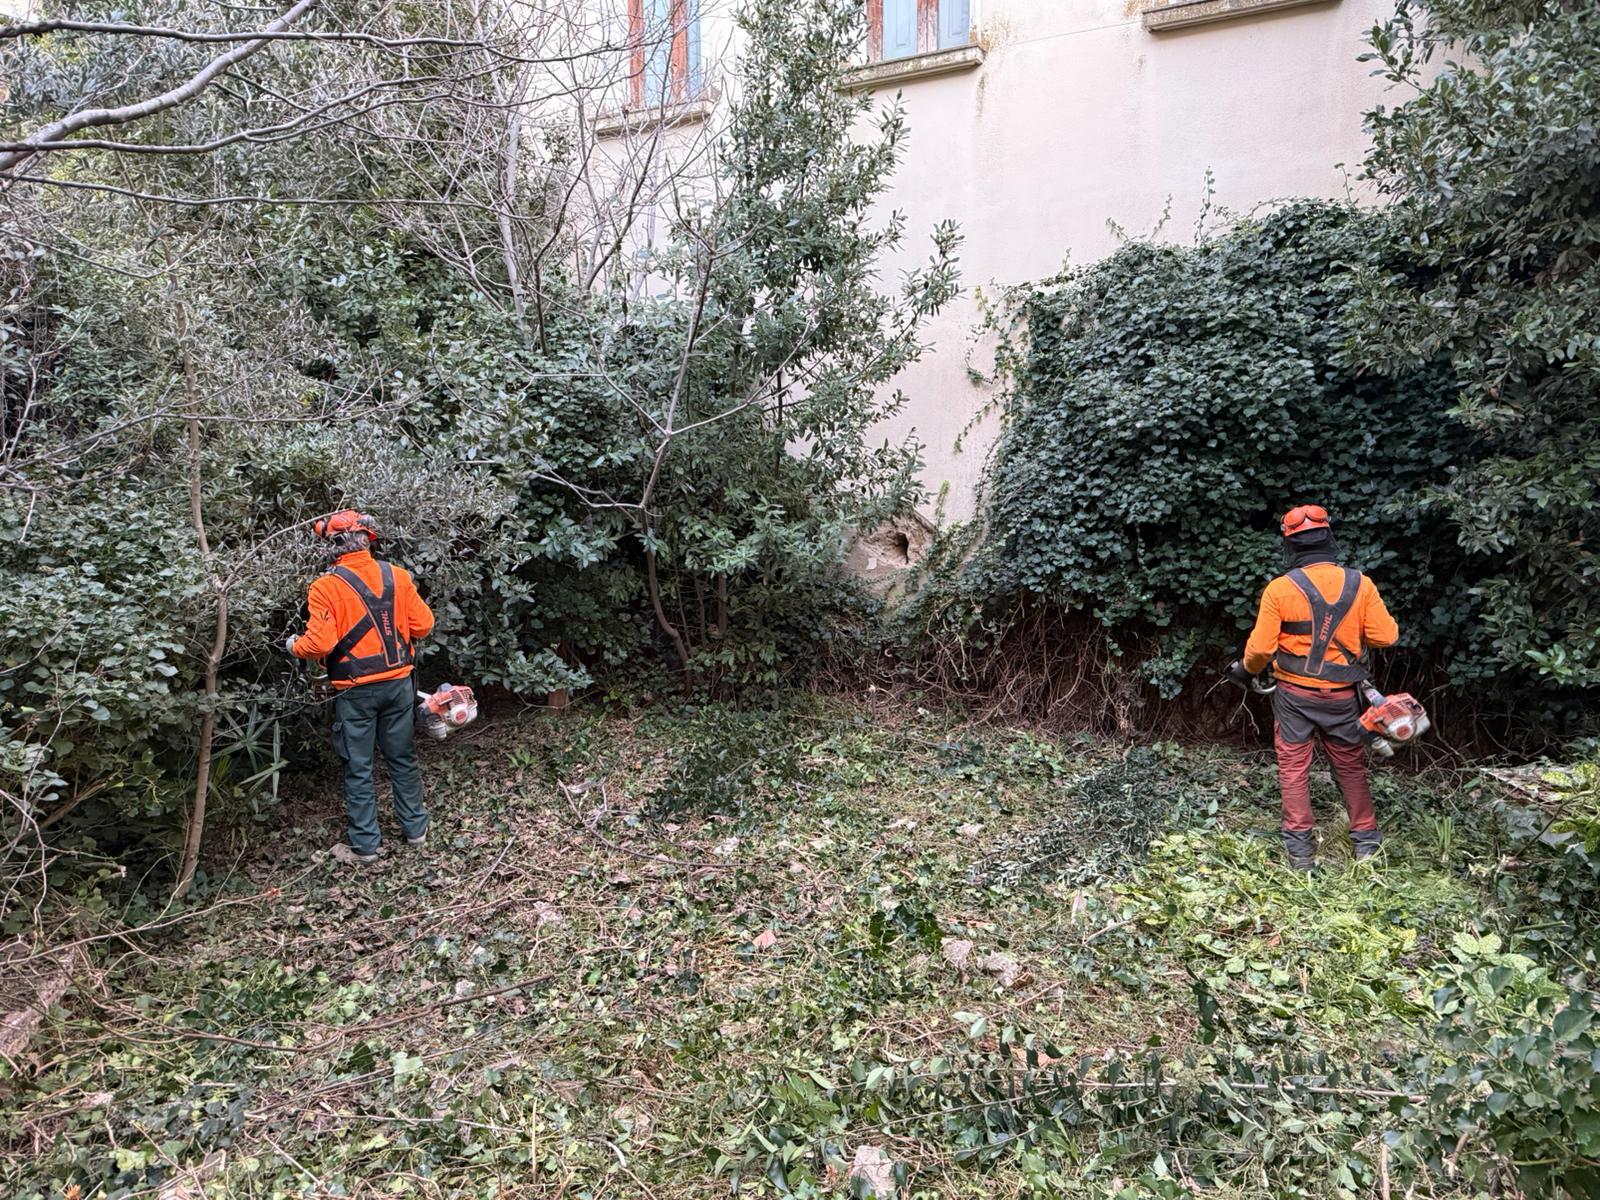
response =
{"points": [[67, 25], [263, 135], [290, 201], [63, 25], [91, 118]]}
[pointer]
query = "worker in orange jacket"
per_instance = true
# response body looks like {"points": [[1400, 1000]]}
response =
{"points": [[364, 616], [1315, 623]]}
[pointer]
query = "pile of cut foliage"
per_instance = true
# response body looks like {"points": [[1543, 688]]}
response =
{"points": [[1102, 824], [792, 970]]}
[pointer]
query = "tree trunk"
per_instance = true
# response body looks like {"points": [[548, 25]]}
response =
{"points": [[666, 624], [508, 241], [195, 829]]}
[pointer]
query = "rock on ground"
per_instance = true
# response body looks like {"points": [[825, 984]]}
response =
{"points": [[1003, 967], [25, 998], [956, 951], [875, 1169]]}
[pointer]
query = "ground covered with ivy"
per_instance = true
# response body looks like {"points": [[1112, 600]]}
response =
{"points": [[712, 952]]}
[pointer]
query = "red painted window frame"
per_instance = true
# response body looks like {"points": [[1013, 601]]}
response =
{"points": [[927, 28], [677, 57]]}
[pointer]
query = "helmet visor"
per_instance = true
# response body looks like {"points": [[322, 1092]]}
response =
{"points": [[1306, 516]]}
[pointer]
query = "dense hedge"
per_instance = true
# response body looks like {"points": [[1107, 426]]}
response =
{"points": [[1163, 406], [1428, 369]]}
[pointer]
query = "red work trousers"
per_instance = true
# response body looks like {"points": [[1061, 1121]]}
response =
{"points": [[1310, 717]]}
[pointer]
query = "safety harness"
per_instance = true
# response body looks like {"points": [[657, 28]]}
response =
{"points": [[1321, 628], [342, 664]]}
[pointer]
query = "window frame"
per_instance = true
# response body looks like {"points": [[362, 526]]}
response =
{"points": [[929, 39], [684, 70]]}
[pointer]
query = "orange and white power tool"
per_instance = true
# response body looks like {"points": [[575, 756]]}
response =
{"points": [[447, 708], [1391, 721]]}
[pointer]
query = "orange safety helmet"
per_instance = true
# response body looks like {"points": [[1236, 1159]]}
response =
{"points": [[345, 520], [1304, 517]]}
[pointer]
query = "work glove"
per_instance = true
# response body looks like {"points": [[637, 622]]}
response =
{"points": [[289, 645], [1236, 672]]}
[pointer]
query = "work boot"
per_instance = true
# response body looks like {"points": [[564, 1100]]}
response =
{"points": [[345, 853], [420, 841], [1367, 842], [1300, 847]]}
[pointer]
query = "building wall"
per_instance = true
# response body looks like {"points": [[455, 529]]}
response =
{"points": [[1079, 116], [1078, 123]]}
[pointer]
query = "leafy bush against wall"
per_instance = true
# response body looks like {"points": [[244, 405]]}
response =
{"points": [[1493, 170], [1164, 406]]}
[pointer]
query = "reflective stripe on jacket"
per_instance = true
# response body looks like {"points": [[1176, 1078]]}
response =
{"points": [[336, 610], [1284, 620]]}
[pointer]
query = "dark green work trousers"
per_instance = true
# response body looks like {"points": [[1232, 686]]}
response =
{"points": [[380, 715]]}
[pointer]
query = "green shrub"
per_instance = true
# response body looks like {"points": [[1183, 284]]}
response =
{"points": [[96, 676], [1492, 172], [1511, 1104], [1164, 406]]}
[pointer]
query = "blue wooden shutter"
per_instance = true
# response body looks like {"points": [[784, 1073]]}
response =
{"points": [[657, 51], [899, 28], [954, 23]]}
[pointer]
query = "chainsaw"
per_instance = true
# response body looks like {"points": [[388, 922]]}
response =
{"points": [[444, 710]]}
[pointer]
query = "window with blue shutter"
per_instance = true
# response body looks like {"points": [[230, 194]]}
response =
{"points": [[667, 67], [953, 23], [657, 51], [691, 75], [903, 28], [899, 28]]}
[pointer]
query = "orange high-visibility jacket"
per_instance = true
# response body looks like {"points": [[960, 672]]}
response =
{"points": [[1284, 619], [336, 610]]}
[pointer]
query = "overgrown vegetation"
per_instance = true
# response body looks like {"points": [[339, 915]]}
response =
{"points": [[1161, 407], [572, 995], [574, 426], [616, 409], [1426, 370], [1494, 171]]}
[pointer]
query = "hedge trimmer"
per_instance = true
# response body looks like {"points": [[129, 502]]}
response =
{"points": [[1391, 721]]}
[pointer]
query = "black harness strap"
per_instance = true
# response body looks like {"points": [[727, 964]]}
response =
{"points": [[379, 618], [1322, 628], [338, 666]]}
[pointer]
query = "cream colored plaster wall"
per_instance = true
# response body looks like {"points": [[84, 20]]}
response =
{"points": [[1079, 117]]}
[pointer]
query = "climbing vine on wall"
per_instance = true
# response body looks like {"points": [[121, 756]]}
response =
{"points": [[1163, 406]]}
